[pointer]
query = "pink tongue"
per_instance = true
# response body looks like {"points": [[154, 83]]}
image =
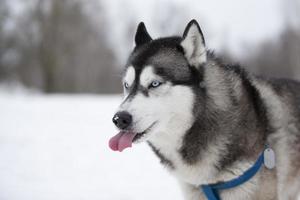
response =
{"points": [[121, 141]]}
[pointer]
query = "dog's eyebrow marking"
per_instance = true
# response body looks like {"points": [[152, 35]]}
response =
{"points": [[129, 75], [147, 76]]}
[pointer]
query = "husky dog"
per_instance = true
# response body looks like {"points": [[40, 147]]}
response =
{"points": [[207, 121]]}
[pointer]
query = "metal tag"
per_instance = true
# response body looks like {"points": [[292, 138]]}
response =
{"points": [[269, 158]]}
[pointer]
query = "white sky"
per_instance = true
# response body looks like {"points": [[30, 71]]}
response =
{"points": [[233, 23], [238, 25]]}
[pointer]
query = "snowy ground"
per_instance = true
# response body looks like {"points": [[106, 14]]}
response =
{"points": [[55, 147]]}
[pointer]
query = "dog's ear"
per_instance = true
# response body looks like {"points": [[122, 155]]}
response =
{"points": [[193, 44], [142, 36]]}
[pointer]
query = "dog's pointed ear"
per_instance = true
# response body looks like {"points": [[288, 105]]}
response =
{"points": [[142, 36], [193, 44]]}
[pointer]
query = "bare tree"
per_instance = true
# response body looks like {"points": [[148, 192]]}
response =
{"points": [[5, 41], [62, 51]]}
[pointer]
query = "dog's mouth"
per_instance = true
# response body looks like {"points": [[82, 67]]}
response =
{"points": [[140, 135], [125, 138]]}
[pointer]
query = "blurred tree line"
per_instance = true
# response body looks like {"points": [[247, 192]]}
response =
{"points": [[280, 57], [56, 46]]}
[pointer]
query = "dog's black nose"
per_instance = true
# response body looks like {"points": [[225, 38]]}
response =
{"points": [[122, 119]]}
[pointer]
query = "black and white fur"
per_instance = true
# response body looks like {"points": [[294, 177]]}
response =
{"points": [[210, 121]]}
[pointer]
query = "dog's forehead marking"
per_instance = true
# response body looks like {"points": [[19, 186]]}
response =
{"points": [[147, 75], [129, 75]]}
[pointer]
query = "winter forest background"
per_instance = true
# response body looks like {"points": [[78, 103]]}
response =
{"points": [[74, 46], [60, 84]]}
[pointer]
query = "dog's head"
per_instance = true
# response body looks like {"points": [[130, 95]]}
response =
{"points": [[159, 79]]}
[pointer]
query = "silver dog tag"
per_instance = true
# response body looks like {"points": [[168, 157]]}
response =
{"points": [[269, 158]]}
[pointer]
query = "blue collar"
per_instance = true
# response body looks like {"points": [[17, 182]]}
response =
{"points": [[211, 190]]}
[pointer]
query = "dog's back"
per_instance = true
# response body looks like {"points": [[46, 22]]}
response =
{"points": [[287, 139], [281, 98]]}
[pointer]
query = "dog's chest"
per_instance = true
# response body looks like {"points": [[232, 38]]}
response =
{"points": [[192, 174]]}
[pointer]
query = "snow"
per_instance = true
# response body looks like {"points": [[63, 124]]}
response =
{"points": [[56, 147]]}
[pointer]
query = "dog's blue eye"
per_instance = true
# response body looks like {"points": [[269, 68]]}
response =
{"points": [[126, 85], [155, 84]]}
